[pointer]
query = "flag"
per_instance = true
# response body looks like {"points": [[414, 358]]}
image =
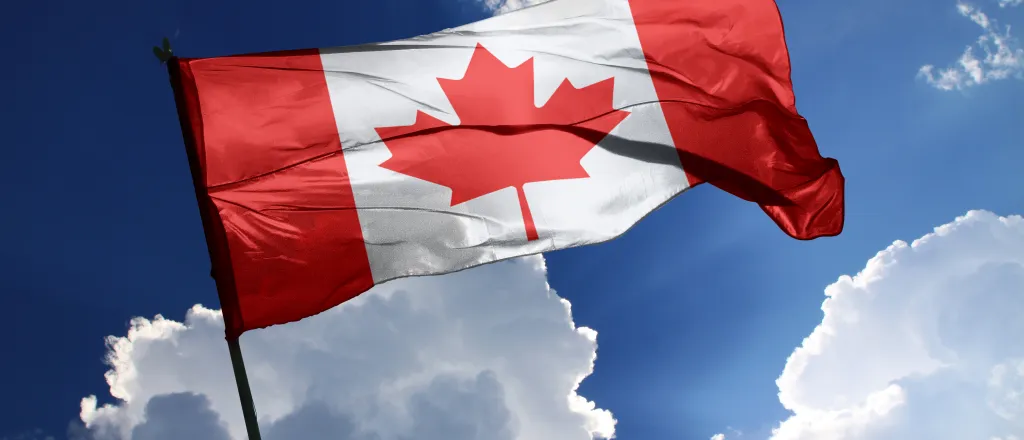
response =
{"points": [[320, 173]]}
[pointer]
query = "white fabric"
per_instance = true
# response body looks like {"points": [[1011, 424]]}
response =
{"points": [[408, 224]]}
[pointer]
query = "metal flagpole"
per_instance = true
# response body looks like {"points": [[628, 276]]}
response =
{"points": [[252, 427]]}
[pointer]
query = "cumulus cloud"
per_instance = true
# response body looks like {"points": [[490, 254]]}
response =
{"points": [[1000, 57], [502, 6], [923, 343], [485, 354]]}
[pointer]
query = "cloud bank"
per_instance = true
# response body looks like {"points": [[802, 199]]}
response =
{"points": [[923, 343], [485, 354], [498, 7], [995, 55]]}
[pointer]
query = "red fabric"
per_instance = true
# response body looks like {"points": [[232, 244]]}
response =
{"points": [[517, 154], [285, 245], [279, 212], [721, 70]]}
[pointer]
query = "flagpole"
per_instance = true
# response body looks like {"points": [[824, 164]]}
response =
{"points": [[252, 427]]}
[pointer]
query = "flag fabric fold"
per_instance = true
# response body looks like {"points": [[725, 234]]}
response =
{"points": [[320, 173]]}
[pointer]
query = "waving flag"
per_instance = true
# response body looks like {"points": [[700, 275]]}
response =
{"points": [[323, 172]]}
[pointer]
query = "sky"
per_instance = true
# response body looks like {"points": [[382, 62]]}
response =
{"points": [[703, 322]]}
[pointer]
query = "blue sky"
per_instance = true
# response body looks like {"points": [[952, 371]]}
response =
{"points": [[697, 309]]}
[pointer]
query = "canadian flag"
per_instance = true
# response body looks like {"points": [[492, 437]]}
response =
{"points": [[323, 172]]}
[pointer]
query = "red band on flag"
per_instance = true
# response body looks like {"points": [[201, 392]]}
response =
{"points": [[272, 185], [722, 74]]}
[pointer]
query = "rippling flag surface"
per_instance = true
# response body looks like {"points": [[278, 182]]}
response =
{"points": [[320, 173]]}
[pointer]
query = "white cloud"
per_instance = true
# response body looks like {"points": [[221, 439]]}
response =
{"points": [[733, 434], [484, 354], [1001, 55], [924, 343], [503, 6]]}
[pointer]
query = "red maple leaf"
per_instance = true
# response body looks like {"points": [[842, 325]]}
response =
{"points": [[503, 139]]}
